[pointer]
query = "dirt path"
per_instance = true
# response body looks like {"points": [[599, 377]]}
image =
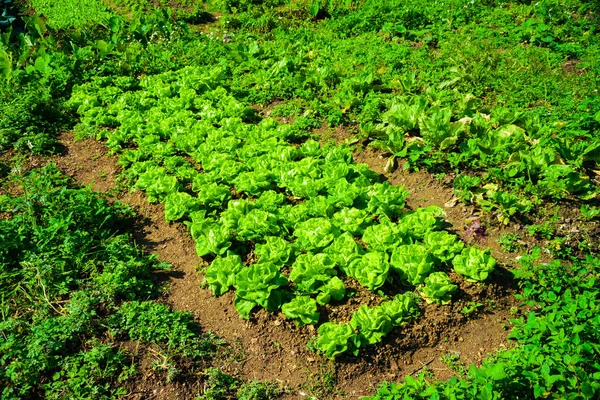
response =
{"points": [[267, 347]]}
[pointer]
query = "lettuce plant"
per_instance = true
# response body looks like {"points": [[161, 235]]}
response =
{"points": [[443, 246], [371, 270], [178, 204], [212, 160], [304, 186], [292, 215], [213, 195], [178, 166], [314, 233], [254, 182], [438, 288], [335, 339], [311, 148], [302, 178], [412, 262], [203, 179], [311, 271], [334, 289], [417, 223], [343, 194], [350, 219], [236, 209], [302, 309], [211, 237], [334, 172], [257, 224], [157, 184], [385, 199], [402, 309], [270, 201], [220, 274], [259, 285], [229, 171], [319, 206], [474, 264], [437, 129], [344, 250], [275, 250], [381, 237], [372, 323]]}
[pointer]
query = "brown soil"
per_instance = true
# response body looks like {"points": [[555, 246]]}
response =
{"points": [[267, 347], [571, 67]]}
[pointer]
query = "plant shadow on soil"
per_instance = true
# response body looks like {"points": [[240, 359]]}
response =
{"points": [[267, 347]]}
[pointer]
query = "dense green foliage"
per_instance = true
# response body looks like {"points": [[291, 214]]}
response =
{"points": [[67, 14], [239, 185], [414, 81], [72, 283], [557, 350], [499, 94]]}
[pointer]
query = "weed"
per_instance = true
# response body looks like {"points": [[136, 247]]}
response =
{"points": [[588, 212], [453, 361], [66, 268], [510, 242], [472, 309]]}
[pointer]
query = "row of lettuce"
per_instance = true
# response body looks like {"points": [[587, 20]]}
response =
{"points": [[285, 219], [507, 151], [434, 123]]}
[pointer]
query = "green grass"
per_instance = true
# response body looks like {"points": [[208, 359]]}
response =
{"points": [[67, 14]]}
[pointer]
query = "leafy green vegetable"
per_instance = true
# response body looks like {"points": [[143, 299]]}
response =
{"points": [[442, 245], [474, 264], [275, 250], [385, 199], [334, 289], [438, 288], [315, 233], [417, 223], [412, 262], [437, 129], [344, 250], [220, 274], [210, 236], [157, 184], [304, 187], [371, 270], [292, 215], [402, 309], [335, 339], [311, 271], [372, 323], [303, 309], [270, 201], [350, 220], [178, 204], [236, 209], [253, 183], [259, 285], [341, 193], [213, 195], [257, 224], [382, 237], [319, 206]]}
